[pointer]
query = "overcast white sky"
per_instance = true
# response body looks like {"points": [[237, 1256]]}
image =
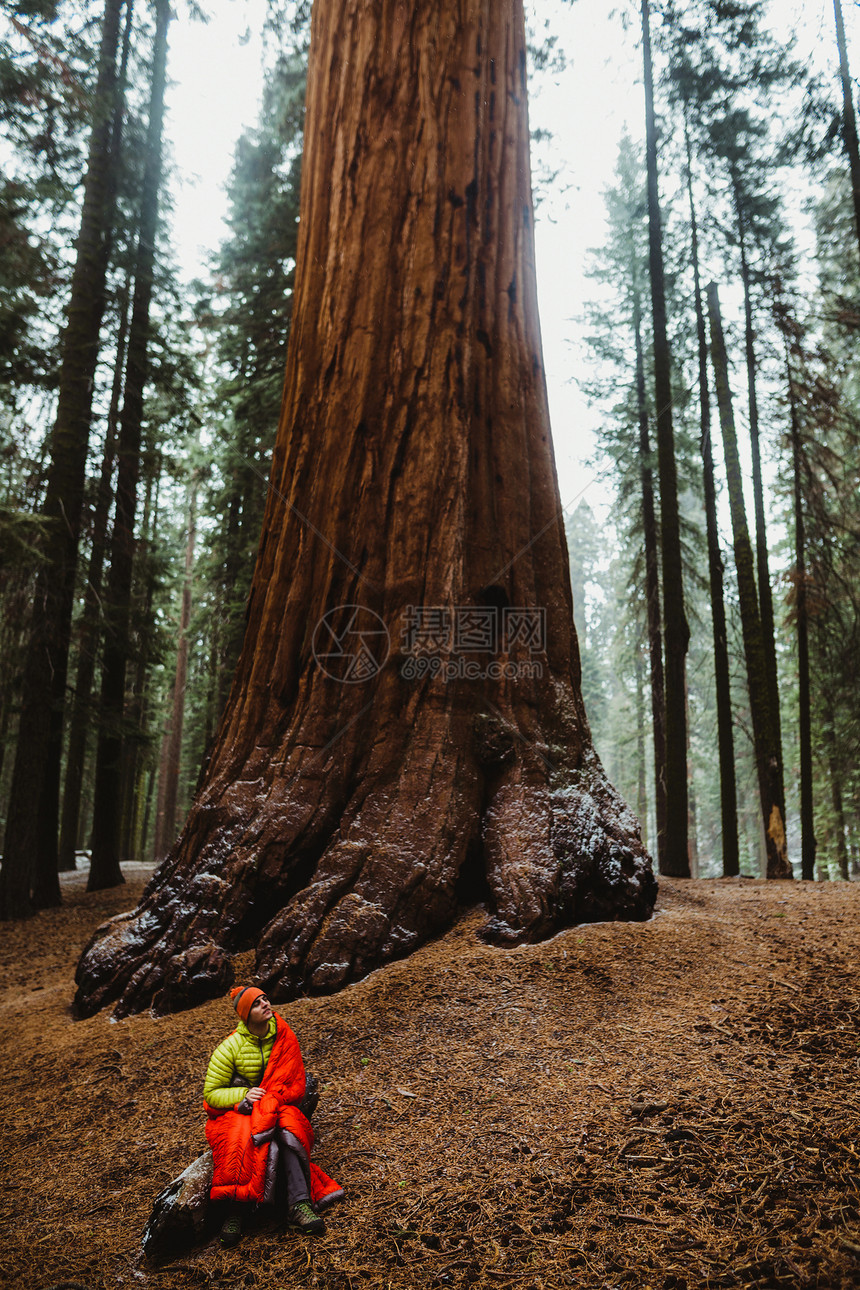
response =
{"points": [[215, 93]]}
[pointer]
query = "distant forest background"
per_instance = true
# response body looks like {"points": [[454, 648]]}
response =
{"points": [[172, 393]]}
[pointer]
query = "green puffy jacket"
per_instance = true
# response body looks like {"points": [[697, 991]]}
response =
{"points": [[241, 1054]]}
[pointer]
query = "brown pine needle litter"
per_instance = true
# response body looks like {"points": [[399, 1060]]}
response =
{"points": [[669, 1104]]}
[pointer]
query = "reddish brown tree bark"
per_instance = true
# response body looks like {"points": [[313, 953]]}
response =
{"points": [[338, 824]]}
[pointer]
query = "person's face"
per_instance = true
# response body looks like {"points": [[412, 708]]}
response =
{"points": [[261, 1010]]}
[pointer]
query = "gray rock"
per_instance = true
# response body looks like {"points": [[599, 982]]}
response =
{"points": [[179, 1211]]}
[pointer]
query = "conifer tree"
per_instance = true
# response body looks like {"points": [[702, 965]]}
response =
{"points": [[334, 829], [725, 736], [107, 814], [849, 118], [30, 844], [676, 628], [725, 73], [764, 728], [626, 435]]}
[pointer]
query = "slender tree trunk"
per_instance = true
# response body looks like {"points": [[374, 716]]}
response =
{"points": [[676, 629], [807, 817], [149, 775], [693, 822], [30, 846], [105, 868], [641, 791], [5, 713], [173, 752], [349, 797], [138, 696], [82, 709], [158, 845], [764, 737], [652, 582], [722, 675], [835, 775], [765, 594], [849, 119]]}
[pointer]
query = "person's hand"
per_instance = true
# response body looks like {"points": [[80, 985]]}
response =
{"points": [[254, 1094]]}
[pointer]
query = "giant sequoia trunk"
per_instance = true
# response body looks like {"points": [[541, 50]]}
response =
{"points": [[353, 796]]}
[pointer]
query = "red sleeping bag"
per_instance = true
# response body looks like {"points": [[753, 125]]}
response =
{"points": [[245, 1147]]}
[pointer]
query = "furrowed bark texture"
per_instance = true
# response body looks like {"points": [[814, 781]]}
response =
{"points": [[339, 824], [764, 734]]}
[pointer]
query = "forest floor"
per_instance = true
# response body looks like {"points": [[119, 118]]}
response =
{"points": [[670, 1104]]}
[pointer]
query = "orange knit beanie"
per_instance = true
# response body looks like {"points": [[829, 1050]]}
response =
{"points": [[244, 997]]}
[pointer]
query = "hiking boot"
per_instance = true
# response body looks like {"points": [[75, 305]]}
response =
{"points": [[231, 1232], [302, 1216]]}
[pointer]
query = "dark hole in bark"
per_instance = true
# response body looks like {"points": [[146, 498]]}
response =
{"points": [[472, 887], [270, 895], [494, 596]]}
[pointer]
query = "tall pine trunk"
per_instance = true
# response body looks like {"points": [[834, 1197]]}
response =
{"points": [[765, 595], [849, 118], [172, 754], [764, 734], [352, 796], [676, 630], [835, 775], [807, 816], [81, 716], [30, 845], [641, 779], [134, 769], [105, 868], [652, 582], [722, 675], [82, 707]]}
